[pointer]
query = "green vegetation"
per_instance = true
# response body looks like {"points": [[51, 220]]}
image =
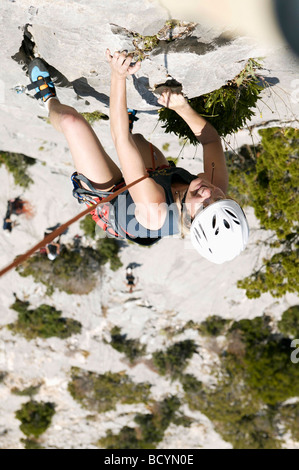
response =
{"points": [[267, 178], [289, 417], [289, 323], [254, 379], [172, 30], [269, 370], [144, 43], [103, 392], [174, 360], [94, 117], [3, 374], [31, 444], [149, 429], [91, 118], [88, 226], [29, 391], [227, 108], [44, 322], [107, 247], [130, 347], [35, 417], [213, 326], [246, 403], [17, 164], [172, 159], [237, 415], [73, 271]]}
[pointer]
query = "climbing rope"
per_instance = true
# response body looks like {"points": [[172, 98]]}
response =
{"points": [[48, 238]]}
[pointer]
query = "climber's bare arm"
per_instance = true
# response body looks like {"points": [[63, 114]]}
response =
{"points": [[205, 133], [147, 195]]}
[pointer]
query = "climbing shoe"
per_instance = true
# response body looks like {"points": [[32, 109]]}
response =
{"points": [[40, 80], [132, 117]]}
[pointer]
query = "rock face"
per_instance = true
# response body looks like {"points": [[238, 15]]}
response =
{"points": [[72, 36]]}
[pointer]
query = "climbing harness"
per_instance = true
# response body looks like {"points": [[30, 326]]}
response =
{"points": [[21, 258], [104, 215]]}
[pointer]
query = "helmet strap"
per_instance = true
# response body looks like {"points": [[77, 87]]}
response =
{"points": [[213, 167], [182, 212]]}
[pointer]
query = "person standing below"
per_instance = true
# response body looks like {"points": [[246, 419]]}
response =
{"points": [[130, 278]]}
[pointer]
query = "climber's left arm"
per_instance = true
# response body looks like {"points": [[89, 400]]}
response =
{"points": [[206, 134]]}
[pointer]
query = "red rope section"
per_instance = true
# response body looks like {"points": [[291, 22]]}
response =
{"points": [[21, 258]]}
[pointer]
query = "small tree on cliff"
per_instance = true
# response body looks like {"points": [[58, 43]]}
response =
{"points": [[267, 178]]}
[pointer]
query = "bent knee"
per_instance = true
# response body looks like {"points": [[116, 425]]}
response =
{"points": [[69, 119]]}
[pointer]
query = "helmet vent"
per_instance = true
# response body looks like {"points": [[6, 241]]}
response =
{"points": [[230, 213], [203, 231], [217, 231], [214, 221], [236, 222], [210, 250], [226, 224], [198, 241], [197, 232]]}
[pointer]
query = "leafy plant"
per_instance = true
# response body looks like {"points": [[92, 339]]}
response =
{"points": [[172, 159], [72, 271], [35, 417], [102, 392], [130, 347], [3, 374], [88, 226], [107, 247], [95, 116], [237, 414], [289, 417], [149, 429], [254, 379], [227, 108], [174, 360], [28, 391], [289, 323], [17, 164], [31, 444], [44, 322], [269, 370], [213, 326], [268, 179]]}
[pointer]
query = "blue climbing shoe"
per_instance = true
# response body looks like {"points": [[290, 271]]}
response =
{"points": [[132, 117], [40, 80]]}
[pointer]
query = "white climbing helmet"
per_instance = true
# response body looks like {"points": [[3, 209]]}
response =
{"points": [[220, 231]]}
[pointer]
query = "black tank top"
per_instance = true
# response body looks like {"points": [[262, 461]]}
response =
{"points": [[122, 216]]}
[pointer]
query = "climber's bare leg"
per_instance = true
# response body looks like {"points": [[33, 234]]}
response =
{"points": [[88, 154]]}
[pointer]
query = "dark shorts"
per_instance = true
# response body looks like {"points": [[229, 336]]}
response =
{"points": [[101, 214]]}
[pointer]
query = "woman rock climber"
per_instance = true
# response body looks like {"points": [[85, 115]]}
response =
{"points": [[171, 200]]}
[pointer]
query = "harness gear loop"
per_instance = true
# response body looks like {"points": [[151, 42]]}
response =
{"points": [[21, 258]]}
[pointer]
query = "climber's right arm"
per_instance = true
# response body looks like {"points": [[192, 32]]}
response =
{"points": [[147, 195]]}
